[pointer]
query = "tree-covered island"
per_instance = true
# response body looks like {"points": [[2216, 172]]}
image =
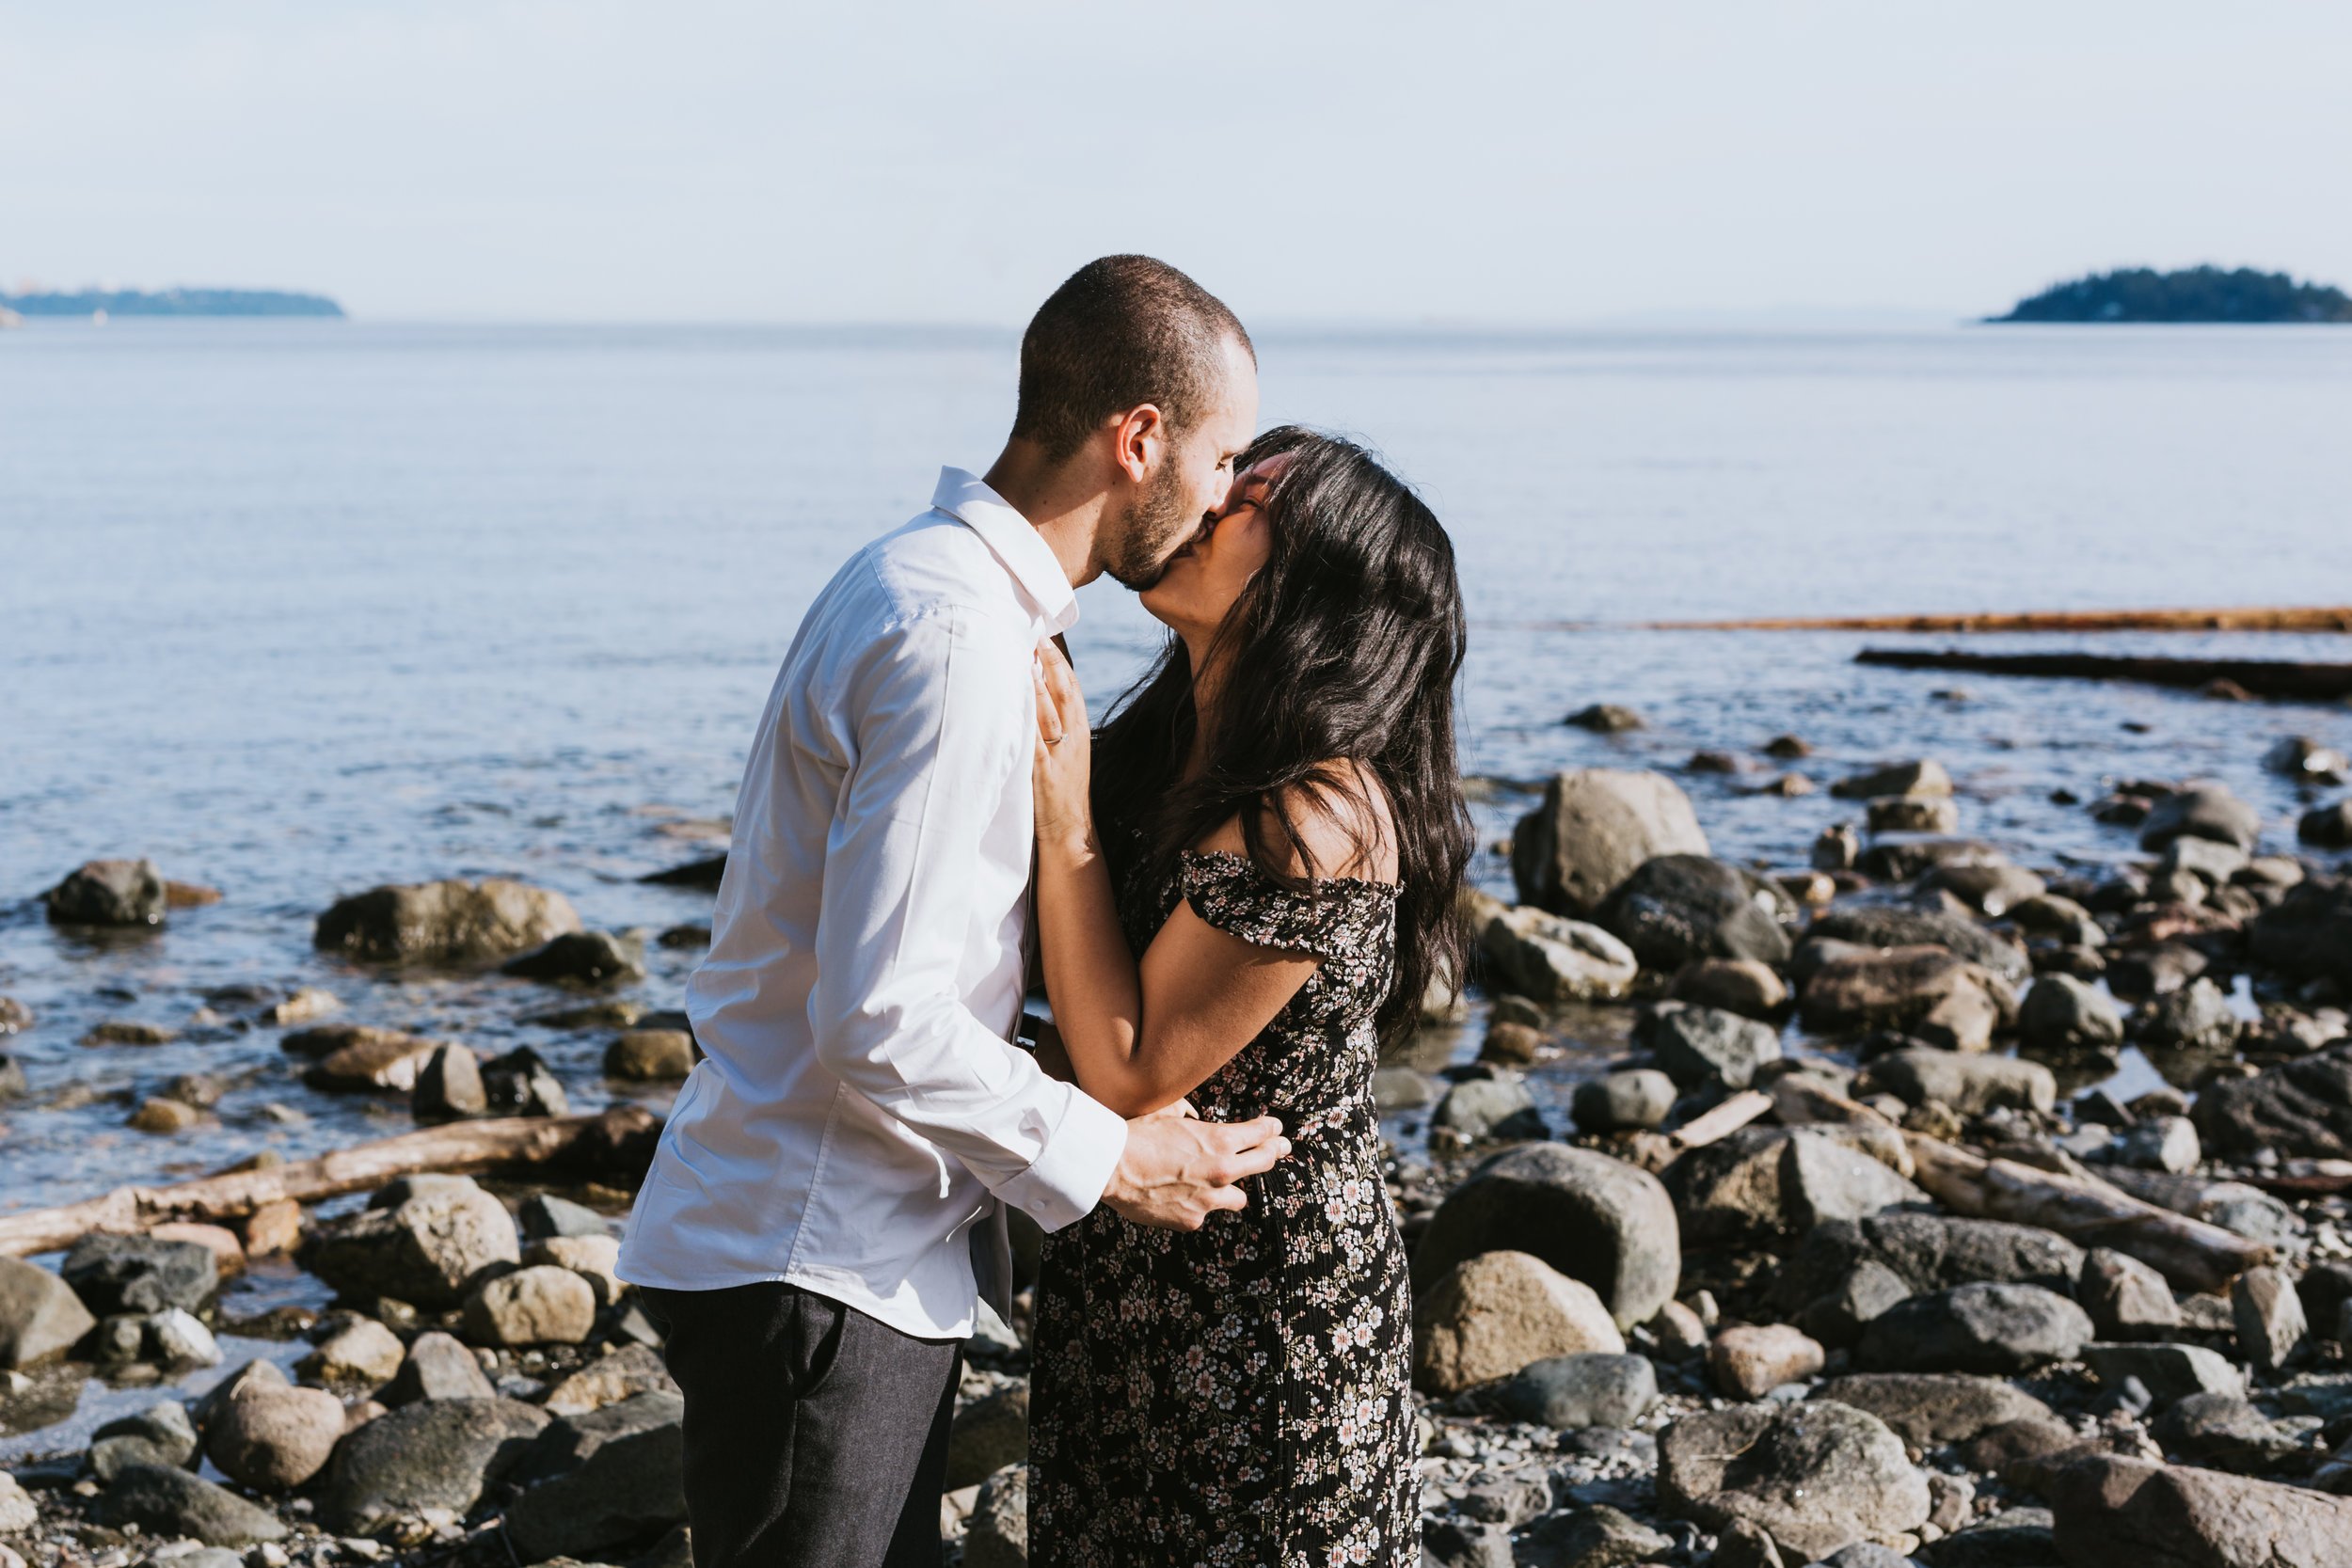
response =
{"points": [[171, 302], [2192, 294]]}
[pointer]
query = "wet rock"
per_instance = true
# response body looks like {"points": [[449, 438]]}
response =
{"points": [[436, 1453], [536, 1306], [1596, 1219], [1750, 1361], [357, 1057], [1595, 827], [174, 1339], [2062, 1013], [108, 892], [1992, 888], [160, 1434], [2327, 827], [164, 1116], [13, 1084], [1517, 1044], [1568, 1393], [308, 1005], [448, 1086], [1900, 777], [1838, 848], [445, 921], [1676, 909], [169, 1501], [273, 1228], [2168, 1372], [1401, 1089], [1618, 1101], [2268, 1315], [1923, 990], [1594, 1537], [1813, 1476], [2126, 1298], [362, 1351], [1982, 1328], [1915, 815], [1499, 1107], [998, 1534], [583, 958], [116, 1274], [1767, 1182], [1970, 1085], [1605, 719], [1891, 925], [2195, 1016], [1699, 1046], [650, 1055], [601, 1480], [704, 873], [1493, 1314], [2202, 809], [521, 1084], [15, 1016], [2134, 1513], [1739, 985], [1930, 1409], [2298, 1108], [2307, 761], [2059, 919], [273, 1437], [437, 1366], [627, 1372], [426, 1249]]}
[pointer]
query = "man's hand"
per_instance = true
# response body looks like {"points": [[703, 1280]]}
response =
{"points": [[1177, 1171]]}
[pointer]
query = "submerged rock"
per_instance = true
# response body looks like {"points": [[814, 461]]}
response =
{"points": [[582, 957], [109, 893]]}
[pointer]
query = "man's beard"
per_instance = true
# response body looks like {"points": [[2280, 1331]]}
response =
{"points": [[1147, 533]]}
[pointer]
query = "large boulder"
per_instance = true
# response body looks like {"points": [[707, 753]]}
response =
{"points": [[1928, 1252], [1984, 1327], [109, 893], [2202, 809], [436, 1453], [1595, 1219], [1929, 1409], [1595, 827], [581, 959], [1675, 910], [271, 1437], [2301, 1108], [1971, 1085], [2309, 932], [1894, 925], [2062, 1013], [1494, 1314], [445, 921], [609, 1477], [1698, 1046], [543, 1305], [1766, 1184], [427, 1249], [166, 1501], [1549, 956], [40, 1317], [116, 1274], [2116, 1513], [1928, 991], [1813, 1476]]}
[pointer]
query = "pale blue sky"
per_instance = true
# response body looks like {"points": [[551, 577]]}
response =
{"points": [[1358, 161]]}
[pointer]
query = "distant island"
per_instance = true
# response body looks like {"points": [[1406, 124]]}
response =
{"points": [[171, 302], [2194, 295]]}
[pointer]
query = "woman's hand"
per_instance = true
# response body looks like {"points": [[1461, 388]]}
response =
{"points": [[1064, 763]]}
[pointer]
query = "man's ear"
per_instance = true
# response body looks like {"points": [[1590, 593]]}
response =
{"points": [[1142, 442]]}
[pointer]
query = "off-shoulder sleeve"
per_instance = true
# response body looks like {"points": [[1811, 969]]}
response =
{"points": [[1331, 918]]}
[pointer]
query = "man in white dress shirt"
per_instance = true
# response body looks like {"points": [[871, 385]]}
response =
{"points": [[833, 1167]]}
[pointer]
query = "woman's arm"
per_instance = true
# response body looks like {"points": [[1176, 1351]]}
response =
{"points": [[1139, 1037]]}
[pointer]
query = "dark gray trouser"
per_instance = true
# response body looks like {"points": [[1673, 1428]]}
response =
{"points": [[816, 1436]]}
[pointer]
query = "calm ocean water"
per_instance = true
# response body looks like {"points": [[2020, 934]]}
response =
{"points": [[299, 608]]}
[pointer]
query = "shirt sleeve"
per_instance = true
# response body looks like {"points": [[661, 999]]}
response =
{"points": [[941, 715]]}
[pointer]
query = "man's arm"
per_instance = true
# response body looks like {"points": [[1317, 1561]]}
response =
{"points": [[942, 726]]}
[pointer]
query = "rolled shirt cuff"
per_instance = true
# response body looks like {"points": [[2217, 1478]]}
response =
{"points": [[1068, 1177]]}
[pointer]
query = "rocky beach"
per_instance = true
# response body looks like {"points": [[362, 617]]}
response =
{"points": [[1922, 1202]]}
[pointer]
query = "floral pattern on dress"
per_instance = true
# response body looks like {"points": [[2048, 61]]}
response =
{"points": [[1239, 1397]]}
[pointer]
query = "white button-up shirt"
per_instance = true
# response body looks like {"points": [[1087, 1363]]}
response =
{"points": [[860, 1107]]}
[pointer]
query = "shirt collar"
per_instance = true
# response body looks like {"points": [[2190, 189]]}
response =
{"points": [[1016, 542]]}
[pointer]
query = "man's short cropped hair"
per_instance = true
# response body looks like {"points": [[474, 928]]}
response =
{"points": [[1122, 331]]}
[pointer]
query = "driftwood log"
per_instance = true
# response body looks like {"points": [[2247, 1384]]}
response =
{"points": [[616, 1141], [2260, 618], [2189, 1253], [2294, 679], [1655, 1151]]}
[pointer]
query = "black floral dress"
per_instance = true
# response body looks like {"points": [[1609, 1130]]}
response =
{"points": [[1237, 1397]]}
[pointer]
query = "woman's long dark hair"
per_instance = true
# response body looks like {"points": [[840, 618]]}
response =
{"points": [[1344, 648]]}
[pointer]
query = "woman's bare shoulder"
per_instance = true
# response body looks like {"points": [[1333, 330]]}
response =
{"points": [[1343, 824]]}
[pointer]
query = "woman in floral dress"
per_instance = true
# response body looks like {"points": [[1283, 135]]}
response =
{"points": [[1245, 884]]}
